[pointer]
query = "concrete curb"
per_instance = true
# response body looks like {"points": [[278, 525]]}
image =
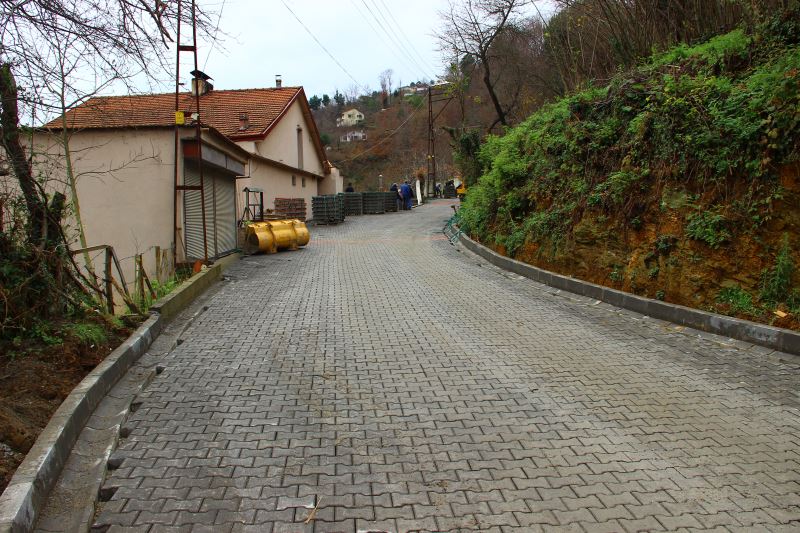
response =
{"points": [[776, 338], [28, 490]]}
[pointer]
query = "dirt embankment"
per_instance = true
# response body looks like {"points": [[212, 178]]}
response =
{"points": [[657, 260], [34, 379]]}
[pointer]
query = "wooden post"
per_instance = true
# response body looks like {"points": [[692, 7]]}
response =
{"points": [[139, 279], [109, 283], [158, 264]]}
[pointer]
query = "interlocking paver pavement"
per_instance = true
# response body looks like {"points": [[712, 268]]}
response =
{"points": [[381, 380]]}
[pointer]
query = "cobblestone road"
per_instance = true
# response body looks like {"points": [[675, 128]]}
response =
{"points": [[379, 380]]}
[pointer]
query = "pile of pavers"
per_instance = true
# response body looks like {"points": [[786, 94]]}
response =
{"points": [[328, 209], [374, 203], [353, 204], [291, 208], [333, 208], [390, 202]]}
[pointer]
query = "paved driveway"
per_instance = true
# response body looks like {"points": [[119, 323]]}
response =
{"points": [[380, 380]]}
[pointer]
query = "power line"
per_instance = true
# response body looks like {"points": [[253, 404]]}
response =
{"points": [[216, 31], [378, 33], [399, 41], [319, 43], [394, 38], [410, 41]]}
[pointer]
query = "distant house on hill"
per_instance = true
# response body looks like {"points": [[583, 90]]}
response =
{"points": [[351, 117], [417, 88], [355, 135], [123, 150]]}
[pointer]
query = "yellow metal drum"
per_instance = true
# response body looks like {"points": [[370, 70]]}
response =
{"points": [[303, 236], [274, 235]]}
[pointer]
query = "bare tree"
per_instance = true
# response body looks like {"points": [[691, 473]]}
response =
{"points": [[53, 55], [386, 87], [352, 94], [470, 28]]}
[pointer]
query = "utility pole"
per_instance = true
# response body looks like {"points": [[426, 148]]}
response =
{"points": [[431, 176], [199, 79], [430, 180]]}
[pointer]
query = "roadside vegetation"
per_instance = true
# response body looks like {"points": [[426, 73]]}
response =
{"points": [[679, 179]]}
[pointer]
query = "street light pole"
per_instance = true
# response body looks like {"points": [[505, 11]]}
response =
{"points": [[380, 181]]}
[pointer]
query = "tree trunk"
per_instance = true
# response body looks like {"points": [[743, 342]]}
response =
{"points": [[487, 80], [9, 125]]}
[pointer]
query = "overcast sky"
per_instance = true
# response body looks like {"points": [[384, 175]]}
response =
{"points": [[365, 36]]}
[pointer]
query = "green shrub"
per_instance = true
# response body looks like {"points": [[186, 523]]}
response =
{"points": [[45, 332], [616, 274], [87, 333], [776, 282], [739, 300], [708, 226]]}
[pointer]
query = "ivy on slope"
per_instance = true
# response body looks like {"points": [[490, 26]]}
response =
{"points": [[710, 118]]}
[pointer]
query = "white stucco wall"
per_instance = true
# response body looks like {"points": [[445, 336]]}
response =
{"points": [[281, 143], [332, 184], [125, 190], [276, 183]]}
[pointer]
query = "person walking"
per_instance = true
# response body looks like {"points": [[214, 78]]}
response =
{"points": [[349, 188], [405, 190], [398, 198]]}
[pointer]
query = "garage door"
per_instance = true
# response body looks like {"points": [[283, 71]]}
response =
{"points": [[220, 214]]}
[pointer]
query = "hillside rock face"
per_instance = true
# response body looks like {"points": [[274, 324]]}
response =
{"points": [[679, 181]]}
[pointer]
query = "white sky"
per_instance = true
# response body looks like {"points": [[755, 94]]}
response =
{"points": [[265, 39]]}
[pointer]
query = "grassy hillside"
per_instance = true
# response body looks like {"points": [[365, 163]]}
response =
{"points": [[679, 180]]}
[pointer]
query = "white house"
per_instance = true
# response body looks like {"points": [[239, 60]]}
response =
{"points": [[131, 196], [355, 135], [351, 117]]}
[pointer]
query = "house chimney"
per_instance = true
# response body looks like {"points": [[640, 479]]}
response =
{"points": [[200, 83], [244, 121], [278, 82]]}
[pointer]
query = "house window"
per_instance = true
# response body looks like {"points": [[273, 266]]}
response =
{"points": [[303, 181], [299, 147], [294, 180]]}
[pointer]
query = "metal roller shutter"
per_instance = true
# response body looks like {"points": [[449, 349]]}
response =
{"points": [[226, 214], [193, 217], [220, 218]]}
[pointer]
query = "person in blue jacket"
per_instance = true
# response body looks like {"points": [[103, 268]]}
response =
{"points": [[405, 190]]}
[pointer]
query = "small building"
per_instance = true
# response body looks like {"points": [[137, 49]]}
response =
{"points": [[354, 135], [351, 117], [123, 155]]}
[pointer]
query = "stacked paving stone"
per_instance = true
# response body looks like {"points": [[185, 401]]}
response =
{"points": [[291, 208], [374, 203], [340, 206], [328, 209], [390, 202], [353, 204]]}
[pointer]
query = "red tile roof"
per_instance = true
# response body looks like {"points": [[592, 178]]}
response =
{"points": [[219, 109]]}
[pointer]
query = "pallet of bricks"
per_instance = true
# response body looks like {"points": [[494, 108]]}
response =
{"points": [[340, 210], [353, 204], [390, 202], [374, 203], [291, 208], [328, 209]]}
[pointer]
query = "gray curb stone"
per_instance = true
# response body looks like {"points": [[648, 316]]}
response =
{"points": [[27, 492], [776, 338]]}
